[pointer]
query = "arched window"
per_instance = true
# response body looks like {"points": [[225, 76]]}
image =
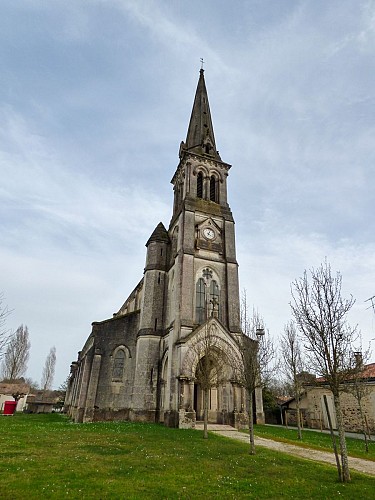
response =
{"points": [[118, 365], [213, 189], [200, 302], [200, 185], [213, 302]]}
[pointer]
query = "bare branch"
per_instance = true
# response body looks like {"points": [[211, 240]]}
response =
{"points": [[292, 365], [17, 354], [320, 312], [5, 334], [257, 355], [49, 370]]}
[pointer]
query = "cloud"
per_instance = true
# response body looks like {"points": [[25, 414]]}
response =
{"points": [[72, 247], [94, 103], [66, 205]]}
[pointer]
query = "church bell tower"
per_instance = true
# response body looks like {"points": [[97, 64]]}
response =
{"points": [[202, 229]]}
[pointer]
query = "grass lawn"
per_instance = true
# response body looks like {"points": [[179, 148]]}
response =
{"points": [[46, 456], [312, 439]]}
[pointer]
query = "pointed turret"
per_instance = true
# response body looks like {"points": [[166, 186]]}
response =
{"points": [[157, 248], [160, 234], [200, 137]]}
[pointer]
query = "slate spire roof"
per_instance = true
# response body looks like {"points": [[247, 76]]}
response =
{"points": [[159, 234], [200, 137]]}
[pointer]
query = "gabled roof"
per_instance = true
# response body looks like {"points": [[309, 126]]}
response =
{"points": [[45, 397], [9, 389], [368, 372]]}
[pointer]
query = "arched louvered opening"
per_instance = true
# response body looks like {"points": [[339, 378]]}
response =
{"points": [[214, 189], [200, 185]]}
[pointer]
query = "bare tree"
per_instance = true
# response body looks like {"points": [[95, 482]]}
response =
{"points": [[17, 354], [292, 366], [321, 312], [4, 333], [63, 387], [34, 385], [49, 370], [257, 354]]}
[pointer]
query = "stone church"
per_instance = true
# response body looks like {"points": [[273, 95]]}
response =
{"points": [[142, 363]]}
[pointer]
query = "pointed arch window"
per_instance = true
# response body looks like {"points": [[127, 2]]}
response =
{"points": [[118, 365], [200, 185], [212, 302], [214, 189]]}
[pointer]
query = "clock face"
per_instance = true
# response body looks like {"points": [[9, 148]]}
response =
{"points": [[208, 233]]}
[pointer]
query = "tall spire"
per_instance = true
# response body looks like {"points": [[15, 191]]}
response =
{"points": [[200, 137]]}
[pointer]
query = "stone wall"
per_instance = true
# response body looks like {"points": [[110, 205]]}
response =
{"points": [[314, 414]]}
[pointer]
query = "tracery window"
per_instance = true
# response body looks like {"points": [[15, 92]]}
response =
{"points": [[202, 301], [118, 365]]}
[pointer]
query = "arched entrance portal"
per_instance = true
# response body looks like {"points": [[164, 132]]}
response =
{"points": [[212, 376]]}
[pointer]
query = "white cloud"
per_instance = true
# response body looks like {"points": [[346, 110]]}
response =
{"points": [[94, 103]]}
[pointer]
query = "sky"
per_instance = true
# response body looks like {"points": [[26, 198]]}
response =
{"points": [[95, 98]]}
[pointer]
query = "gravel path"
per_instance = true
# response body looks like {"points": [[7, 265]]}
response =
{"points": [[358, 464]]}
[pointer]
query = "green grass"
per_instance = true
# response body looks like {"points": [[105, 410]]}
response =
{"points": [[312, 439], [46, 456]]}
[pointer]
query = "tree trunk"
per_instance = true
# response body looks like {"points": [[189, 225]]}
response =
{"points": [[205, 413], [251, 426], [340, 427], [333, 437], [299, 429], [363, 423]]}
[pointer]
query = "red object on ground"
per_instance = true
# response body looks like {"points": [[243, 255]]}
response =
{"points": [[9, 407]]}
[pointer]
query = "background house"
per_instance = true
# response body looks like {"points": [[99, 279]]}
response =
{"points": [[313, 410], [8, 389], [45, 401]]}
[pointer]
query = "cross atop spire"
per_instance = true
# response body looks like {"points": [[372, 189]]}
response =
{"points": [[200, 137]]}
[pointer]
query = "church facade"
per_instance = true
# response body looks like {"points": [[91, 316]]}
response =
{"points": [[143, 363]]}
